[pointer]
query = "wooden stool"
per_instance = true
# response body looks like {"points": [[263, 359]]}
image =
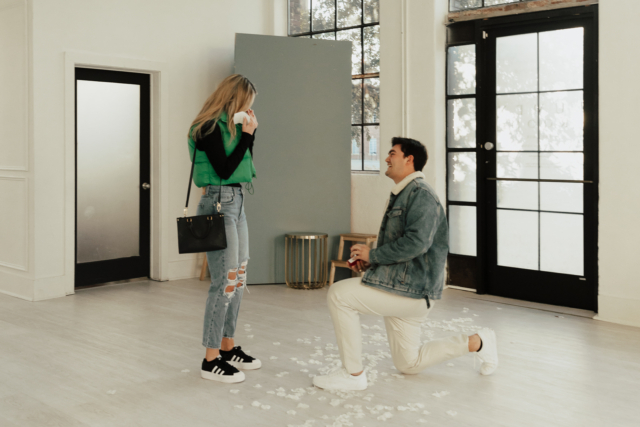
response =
{"points": [[367, 239], [203, 272]]}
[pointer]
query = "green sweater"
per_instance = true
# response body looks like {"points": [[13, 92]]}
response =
{"points": [[204, 174]]}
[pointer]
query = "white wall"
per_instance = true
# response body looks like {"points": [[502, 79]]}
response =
{"points": [[412, 100], [194, 39], [619, 229], [16, 225]]}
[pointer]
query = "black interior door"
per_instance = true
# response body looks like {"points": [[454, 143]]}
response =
{"points": [[112, 176], [537, 157]]}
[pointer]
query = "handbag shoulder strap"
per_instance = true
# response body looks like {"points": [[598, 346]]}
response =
{"points": [[193, 163]]}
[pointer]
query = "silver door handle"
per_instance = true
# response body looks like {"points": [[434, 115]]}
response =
{"points": [[146, 186], [488, 146]]}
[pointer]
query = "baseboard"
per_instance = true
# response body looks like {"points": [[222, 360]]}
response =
{"points": [[460, 288], [50, 287], [623, 311], [16, 286], [185, 269]]}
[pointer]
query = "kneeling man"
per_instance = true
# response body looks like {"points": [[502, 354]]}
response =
{"points": [[404, 275]]}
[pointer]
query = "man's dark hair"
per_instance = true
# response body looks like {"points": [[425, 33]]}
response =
{"points": [[411, 147]]}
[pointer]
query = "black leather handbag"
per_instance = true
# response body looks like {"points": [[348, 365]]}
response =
{"points": [[202, 233]]}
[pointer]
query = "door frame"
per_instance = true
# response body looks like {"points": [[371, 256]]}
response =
{"points": [[485, 191], [159, 147]]}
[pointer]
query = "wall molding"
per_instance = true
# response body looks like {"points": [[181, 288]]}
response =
{"points": [[4, 6], [515, 9], [620, 310], [160, 221], [26, 231]]}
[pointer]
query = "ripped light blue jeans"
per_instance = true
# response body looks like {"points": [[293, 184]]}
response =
{"points": [[225, 293]]}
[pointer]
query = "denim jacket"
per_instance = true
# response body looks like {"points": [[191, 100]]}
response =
{"points": [[412, 244]]}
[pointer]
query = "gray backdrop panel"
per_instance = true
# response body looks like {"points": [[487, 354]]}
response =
{"points": [[302, 146]]}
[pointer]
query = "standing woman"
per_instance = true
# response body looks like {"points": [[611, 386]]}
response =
{"points": [[225, 158]]}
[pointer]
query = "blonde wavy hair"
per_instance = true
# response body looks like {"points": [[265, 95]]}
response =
{"points": [[233, 94]]}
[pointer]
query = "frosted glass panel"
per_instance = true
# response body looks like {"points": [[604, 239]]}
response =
{"points": [[561, 121], [108, 174], [561, 197], [517, 122], [462, 177], [561, 59], [517, 63], [461, 70], [569, 166], [461, 123], [562, 243], [517, 165], [517, 195], [518, 239], [462, 230]]}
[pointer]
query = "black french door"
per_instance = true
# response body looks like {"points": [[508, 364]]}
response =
{"points": [[112, 176], [523, 186]]}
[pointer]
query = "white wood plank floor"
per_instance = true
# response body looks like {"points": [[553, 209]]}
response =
{"points": [[59, 360]]}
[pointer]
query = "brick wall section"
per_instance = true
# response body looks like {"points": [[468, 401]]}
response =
{"points": [[515, 9]]}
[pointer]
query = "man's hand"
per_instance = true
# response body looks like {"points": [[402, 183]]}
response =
{"points": [[360, 252], [360, 266]]}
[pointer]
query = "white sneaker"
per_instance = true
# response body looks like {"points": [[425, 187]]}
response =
{"points": [[340, 379], [489, 353]]}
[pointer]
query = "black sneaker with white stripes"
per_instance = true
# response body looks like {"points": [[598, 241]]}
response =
{"points": [[240, 359], [219, 370]]}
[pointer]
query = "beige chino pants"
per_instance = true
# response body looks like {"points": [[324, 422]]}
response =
{"points": [[402, 317]]}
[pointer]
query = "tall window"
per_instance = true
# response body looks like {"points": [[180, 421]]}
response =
{"points": [[356, 21]]}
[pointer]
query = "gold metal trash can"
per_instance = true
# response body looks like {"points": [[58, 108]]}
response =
{"points": [[300, 269]]}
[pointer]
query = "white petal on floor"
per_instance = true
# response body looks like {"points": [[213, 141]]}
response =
{"points": [[271, 392], [303, 406], [440, 394], [257, 386], [234, 391], [304, 370], [249, 336], [321, 398], [450, 364], [111, 392], [452, 413], [276, 343], [426, 412], [273, 357], [238, 406], [498, 308], [256, 404], [291, 412], [265, 406], [185, 371], [247, 326], [422, 421]]}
